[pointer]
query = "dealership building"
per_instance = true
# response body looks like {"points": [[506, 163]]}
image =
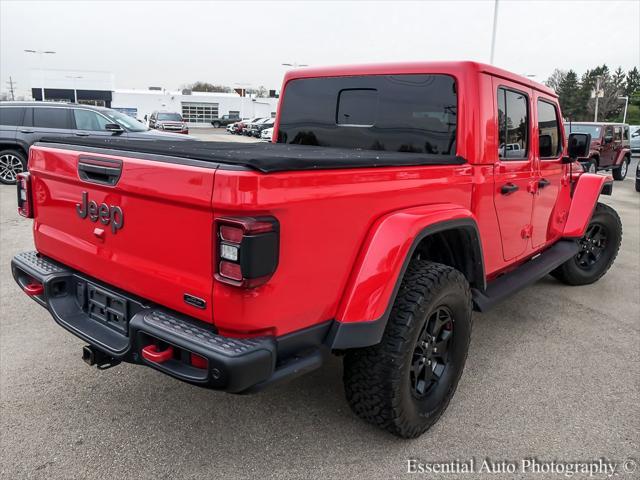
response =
{"points": [[97, 88]]}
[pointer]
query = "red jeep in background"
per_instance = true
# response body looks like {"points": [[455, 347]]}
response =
{"points": [[397, 199], [610, 146]]}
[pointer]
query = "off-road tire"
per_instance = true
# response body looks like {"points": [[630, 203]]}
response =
{"points": [[592, 165], [12, 162], [216, 124], [377, 379], [620, 173], [571, 272]]}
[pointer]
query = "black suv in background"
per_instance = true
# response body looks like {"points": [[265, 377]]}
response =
{"points": [[256, 128], [24, 123], [225, 120]]}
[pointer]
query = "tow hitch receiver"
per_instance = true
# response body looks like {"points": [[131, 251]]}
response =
{"points": [[93, 356]]}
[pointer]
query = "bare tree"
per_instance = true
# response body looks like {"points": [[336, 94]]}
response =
{"points": [[208, 87], [556, 79]]}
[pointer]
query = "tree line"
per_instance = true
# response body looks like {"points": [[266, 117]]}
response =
{"points": [[577, 94], [260, 92]]}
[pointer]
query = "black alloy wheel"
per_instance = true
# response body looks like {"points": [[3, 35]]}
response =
{"points": [[430, 355], [592, 245]]}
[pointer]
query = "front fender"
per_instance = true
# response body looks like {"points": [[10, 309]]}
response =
{"points": [[382, 260], [587, 190]]}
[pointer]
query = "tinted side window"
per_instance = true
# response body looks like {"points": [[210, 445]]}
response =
{"points": [[513, 124], [11, 116], [617, 133], [88, 120], [548, 130], [395, 113], [51, 117]]}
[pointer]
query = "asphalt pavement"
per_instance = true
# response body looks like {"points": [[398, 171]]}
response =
{"points": [[553, 373]]}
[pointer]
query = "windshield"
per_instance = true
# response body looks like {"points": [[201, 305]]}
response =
{"points": [[593, 130], [170, 117], [125, 121]]}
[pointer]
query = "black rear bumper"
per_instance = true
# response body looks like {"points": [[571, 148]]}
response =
{"points": [[121, 326]]}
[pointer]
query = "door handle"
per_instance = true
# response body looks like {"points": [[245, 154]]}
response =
{"points": [[81, 134], [26, 131], [543, 182], [509, 188]]}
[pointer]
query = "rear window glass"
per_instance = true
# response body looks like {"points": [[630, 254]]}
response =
{"points": [[396, 113], [51, 117], [11, 116]]}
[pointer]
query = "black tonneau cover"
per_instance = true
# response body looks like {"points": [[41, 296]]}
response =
{"points": [[265, 157]]}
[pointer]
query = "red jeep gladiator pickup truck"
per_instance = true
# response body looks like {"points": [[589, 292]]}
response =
{"points": [[394, 200]]}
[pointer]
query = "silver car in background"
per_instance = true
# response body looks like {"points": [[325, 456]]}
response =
{"points": [[634, 142]]}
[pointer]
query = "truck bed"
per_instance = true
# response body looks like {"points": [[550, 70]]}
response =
{"points": [[264, 157]]}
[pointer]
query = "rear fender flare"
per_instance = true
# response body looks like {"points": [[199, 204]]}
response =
{"points": [[588, 189], [381, 264]]}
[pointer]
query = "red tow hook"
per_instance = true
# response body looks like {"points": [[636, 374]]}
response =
{"points": [[151, 353], [33, 289]]}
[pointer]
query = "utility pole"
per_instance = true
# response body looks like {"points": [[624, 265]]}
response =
{"points": [[11, 89], [493, 34]]}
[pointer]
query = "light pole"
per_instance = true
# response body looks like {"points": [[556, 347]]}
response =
{"points": [[294, 65], [493, 34], [598, 78], [626, 104], [41, 54], [75, 89]]}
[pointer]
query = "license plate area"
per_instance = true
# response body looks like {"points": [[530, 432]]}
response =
{"points": [[104, 306]]}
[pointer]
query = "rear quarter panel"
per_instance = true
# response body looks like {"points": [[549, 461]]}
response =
{"points": [[324, 220]]}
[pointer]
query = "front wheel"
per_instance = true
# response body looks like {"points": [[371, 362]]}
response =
{"points": [[593, 166], [620, 172], [598, 249], [405, 383]]}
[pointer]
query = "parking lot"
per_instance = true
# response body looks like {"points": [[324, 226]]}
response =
{"points": [[552, 373], [220, 135]]}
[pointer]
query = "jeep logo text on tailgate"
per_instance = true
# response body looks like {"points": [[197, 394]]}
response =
{"points": [[106, 214]]}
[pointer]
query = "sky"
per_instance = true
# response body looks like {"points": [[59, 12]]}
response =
{"points": [[173, 43]]}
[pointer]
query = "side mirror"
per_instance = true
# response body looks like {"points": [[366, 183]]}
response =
{"points": [[544, 143], [608, 139], [578, 147], [113, 127]]}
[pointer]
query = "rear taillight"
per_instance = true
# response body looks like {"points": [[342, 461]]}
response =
{"points": [[248, 250], [25, 202]]}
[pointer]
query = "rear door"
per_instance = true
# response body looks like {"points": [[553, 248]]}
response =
{"points": [[10, 119], [618, 144], [45, 122], [607, 153], [550, 170], [514, 173]]}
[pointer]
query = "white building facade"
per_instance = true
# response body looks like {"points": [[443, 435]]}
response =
{"points": [[197, 108]]}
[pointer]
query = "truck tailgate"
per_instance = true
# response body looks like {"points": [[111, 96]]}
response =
{"points": [[150, 233]]}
